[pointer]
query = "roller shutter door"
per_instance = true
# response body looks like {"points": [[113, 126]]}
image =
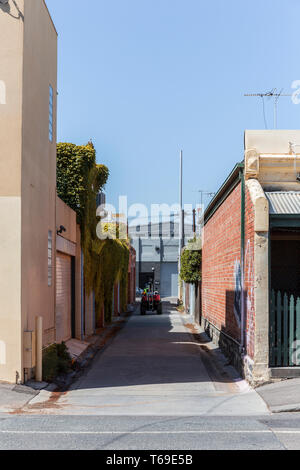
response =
{"points": [[169, 280], [63, 297]]}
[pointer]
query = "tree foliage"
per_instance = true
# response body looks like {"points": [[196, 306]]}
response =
{"points": [[79, 179], [191, 260], [78, 176]]}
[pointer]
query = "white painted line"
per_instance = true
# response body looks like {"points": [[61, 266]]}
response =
{"points": [[263, 431]]}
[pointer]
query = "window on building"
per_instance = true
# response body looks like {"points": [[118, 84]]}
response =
{"points": [[49, 258], [50, 113]]}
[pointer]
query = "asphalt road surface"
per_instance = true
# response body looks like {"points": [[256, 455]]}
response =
{"points": [[155, 386]]}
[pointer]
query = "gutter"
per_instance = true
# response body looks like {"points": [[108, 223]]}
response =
{"points": [[285, 221]]}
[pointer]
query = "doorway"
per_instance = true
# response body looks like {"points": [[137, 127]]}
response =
{"points": [[285, 298]]}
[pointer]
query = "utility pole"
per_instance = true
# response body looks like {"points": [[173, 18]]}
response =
{"points": [[194, 222], [181, 217]]}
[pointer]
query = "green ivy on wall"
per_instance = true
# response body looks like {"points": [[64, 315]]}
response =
{"points": [[79, 179], [191, 260]]}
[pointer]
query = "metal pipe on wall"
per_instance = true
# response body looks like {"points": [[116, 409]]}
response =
{"points": [[241, 175], [39, 349]]}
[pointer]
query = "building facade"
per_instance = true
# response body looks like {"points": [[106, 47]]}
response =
{"points": [[157, 252], [28, 69], [41, 269], [251, 249]]}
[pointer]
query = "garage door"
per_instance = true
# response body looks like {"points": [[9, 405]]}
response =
{"points": [[169, 280], [63, 297]]}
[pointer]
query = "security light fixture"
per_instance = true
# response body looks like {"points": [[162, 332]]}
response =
{"points": [[61, 228], [4, 2]]}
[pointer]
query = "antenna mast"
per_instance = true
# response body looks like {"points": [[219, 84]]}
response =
{"points": [[270, 94]]}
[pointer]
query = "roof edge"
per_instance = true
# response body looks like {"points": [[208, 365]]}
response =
{"points": [[47, 9], [226, 188]]}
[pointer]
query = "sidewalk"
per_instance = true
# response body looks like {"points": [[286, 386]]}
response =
{"points": [[13, 396], [83, 352], [283, 396]]}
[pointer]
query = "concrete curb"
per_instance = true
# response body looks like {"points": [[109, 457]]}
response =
{"points": [[16, 397], [285, 408], [281, 396]]}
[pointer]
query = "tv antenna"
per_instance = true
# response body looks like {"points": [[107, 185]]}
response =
{"points": [[270, 94], [203, 193]]}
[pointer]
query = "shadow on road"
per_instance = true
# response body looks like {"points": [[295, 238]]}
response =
{"points": [[155, 350]]}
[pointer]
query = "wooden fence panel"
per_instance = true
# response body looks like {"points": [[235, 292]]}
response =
{"points": [[284, 330]]}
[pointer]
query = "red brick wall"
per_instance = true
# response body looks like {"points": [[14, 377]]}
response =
{"points": [[220, 258], [249, 274]]}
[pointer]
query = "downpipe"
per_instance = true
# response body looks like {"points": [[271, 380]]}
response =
{"points": [[243, 319]]}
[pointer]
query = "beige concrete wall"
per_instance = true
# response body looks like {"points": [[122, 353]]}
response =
{"points": [[272, 162], [11, 75], [66, 217], [260, 365], [28, 58], [38, 168], [271, 159], [10, 289], [271, 141]]}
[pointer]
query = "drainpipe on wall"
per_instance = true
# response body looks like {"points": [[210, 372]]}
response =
{"points": [[113, 302], [82, 295], [241, 176], [94, 313], [39, 349]]}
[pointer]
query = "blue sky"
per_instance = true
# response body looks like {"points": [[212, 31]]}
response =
{"points": [[145, 78]]}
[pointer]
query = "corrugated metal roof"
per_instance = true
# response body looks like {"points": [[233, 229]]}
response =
{"points": [[284, 202]]}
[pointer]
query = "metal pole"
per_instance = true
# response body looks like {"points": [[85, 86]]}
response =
{"points": [[180, 223], [39, 349], [181, 204], [194, 222]]}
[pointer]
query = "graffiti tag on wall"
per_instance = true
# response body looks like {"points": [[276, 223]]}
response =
{"points": [[237, 307]]}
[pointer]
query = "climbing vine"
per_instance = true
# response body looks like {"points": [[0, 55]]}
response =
{"points": [[191, 260], [79, 179]]}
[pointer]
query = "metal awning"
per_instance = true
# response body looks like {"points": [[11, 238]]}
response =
{"points": [[284, 202]]}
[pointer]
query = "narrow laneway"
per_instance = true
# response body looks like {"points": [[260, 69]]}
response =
{"points": [[154, 366]]}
